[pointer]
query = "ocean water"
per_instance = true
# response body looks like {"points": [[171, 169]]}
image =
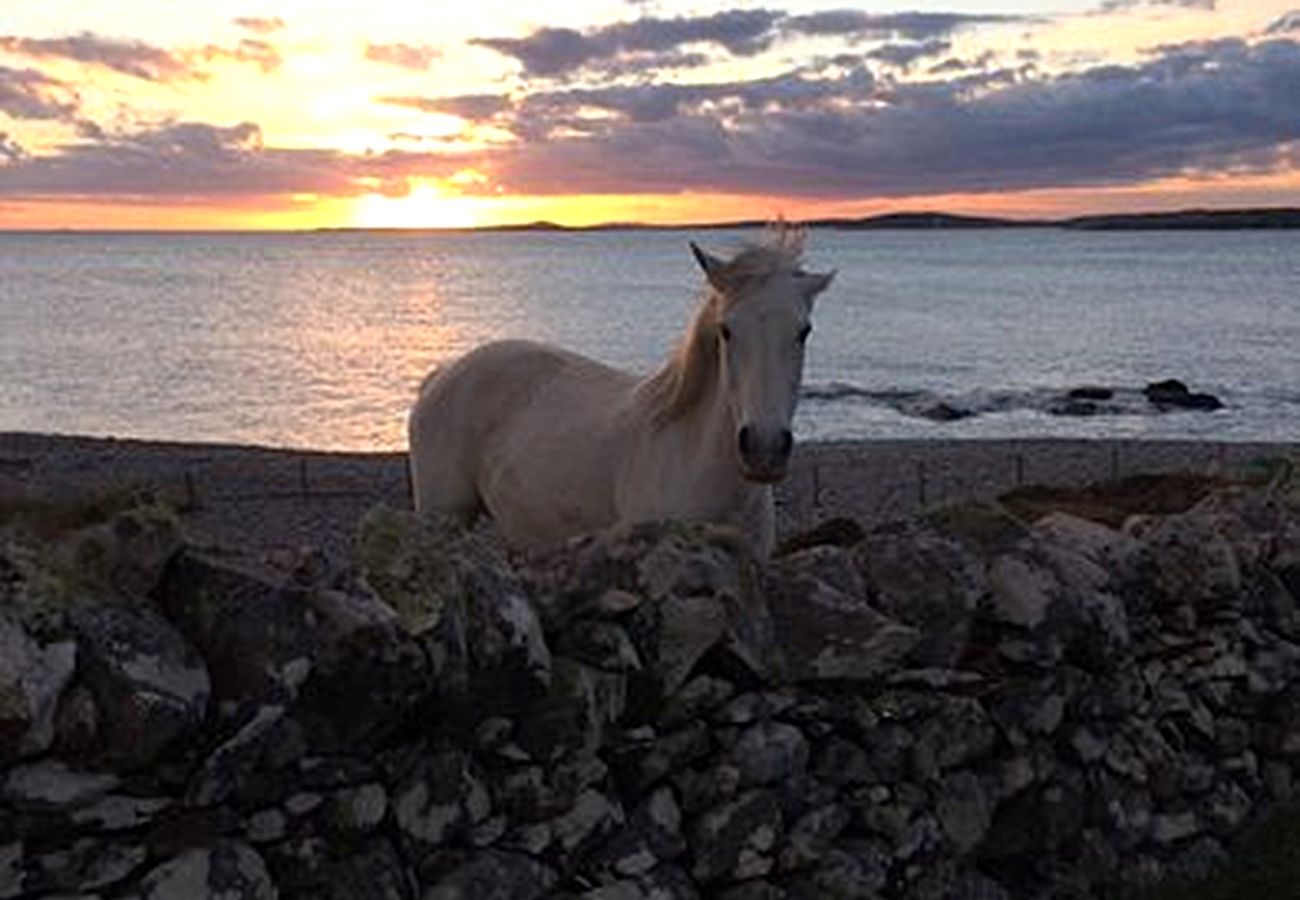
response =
{"points": [[319, 340]]}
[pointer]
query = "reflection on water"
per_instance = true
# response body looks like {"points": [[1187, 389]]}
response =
{"points": [[321, 339]]}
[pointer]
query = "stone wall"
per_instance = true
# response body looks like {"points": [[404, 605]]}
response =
{"points": [[955, 706]]}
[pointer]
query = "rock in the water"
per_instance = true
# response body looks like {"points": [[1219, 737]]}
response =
{"points": [[1173, 394]]}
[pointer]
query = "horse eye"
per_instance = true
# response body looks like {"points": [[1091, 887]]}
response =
{"points": [[804, 332], [724, 331]]}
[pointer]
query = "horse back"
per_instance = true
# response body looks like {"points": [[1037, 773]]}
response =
{"points": [[528, 431]]}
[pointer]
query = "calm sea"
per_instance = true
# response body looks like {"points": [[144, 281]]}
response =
{"points": [[319, 340]]}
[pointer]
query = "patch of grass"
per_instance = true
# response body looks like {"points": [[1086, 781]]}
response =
{"points": [[1113, 502], [48, 518], [1265, 864]]}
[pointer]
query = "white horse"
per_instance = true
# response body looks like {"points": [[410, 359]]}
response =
{"points": [[551, 444]]}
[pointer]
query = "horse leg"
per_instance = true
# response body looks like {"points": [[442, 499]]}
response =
{"points": [[438, 490]]}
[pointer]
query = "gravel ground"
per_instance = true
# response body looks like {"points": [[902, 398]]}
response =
{"points": [[259, 499]]}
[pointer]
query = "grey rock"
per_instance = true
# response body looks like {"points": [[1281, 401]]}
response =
{"points": [[665, 882], [359, 809], [32, 677], [811, 837], [151, 687], [857, 870], [120, 812], [439, 798], [1226, 809], [236, 761], [592, 817], [829, 635], [494, 875], [653, 834], [601, 644], [372, 870], [736, 840], [85, 865], [580, 706], [755, 889], [950, 881], [926, 579], [841, 762], [697, 698], [965, 811], [1169, 828], [227, 870], [256, 637], [958, 731], [689, 627], [52, 785], [770, 752], [11, 870]]}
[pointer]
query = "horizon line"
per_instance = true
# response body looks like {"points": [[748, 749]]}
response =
{"points": [[1220, 217]]}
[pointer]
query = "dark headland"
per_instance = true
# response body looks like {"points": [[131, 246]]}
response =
{"points": [[1181, 220]]}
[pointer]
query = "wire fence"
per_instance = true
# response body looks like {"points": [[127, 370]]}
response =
{"points": [[255, 496]]}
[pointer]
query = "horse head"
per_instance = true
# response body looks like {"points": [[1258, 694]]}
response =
{"points": [[761, 317]]}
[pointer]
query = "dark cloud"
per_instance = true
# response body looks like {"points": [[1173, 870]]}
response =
{"points": [[1198, 108], [406, 56], [834, 131], [134, 58], [10, 149], [1286, 23], [473, 107], [249, 50], [181, 161], [139, 60], [1121, 5], [260, 25], [912, 26], [904, 55], [555, 51], [648, 41], [29, 94]]}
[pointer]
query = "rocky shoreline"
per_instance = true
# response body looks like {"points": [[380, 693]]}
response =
{"points": [[990, 700]]}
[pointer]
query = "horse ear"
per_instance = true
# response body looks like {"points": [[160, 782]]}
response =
{"points": [[813, 283], [714, 268]]}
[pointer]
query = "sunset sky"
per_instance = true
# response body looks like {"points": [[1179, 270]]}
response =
{"points": [[310, 113]]}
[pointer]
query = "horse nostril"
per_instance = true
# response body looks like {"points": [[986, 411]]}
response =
{"points": [[786, 443], [745, 439]]}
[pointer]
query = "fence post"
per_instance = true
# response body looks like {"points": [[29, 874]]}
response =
{"points": [[1020, 469], [920, 482]]}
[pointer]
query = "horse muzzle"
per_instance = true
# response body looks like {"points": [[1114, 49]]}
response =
{"points": [[764, 454]]}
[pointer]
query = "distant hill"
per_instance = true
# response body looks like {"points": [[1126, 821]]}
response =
{"points": [[1190, 219], [919, 220]]}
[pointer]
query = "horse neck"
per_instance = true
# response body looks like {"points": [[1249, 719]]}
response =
{"points": [[686, 399]]}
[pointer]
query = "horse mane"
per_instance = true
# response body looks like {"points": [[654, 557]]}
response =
{"points": [[678, 385]]}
